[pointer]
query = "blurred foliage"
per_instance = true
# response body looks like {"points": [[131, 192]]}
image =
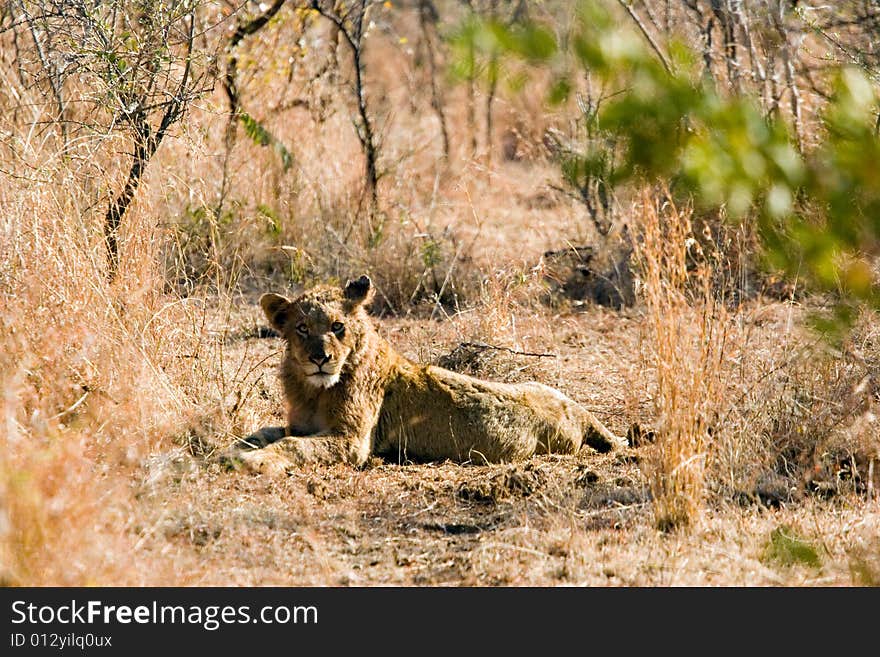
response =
{"points": [[787, 548], [817, 213]]}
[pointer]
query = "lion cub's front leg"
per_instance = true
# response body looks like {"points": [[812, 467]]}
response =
{"points": [[294, 451]]}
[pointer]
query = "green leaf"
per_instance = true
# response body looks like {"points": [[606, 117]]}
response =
{"points": [[560, 91], [274, 220], [255, 130], [262, 137]]}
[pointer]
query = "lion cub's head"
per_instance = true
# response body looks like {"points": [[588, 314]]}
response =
{"points": [[322, 327]]}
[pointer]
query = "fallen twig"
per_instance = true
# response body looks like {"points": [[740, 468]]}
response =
{"points": [[483, 346]]}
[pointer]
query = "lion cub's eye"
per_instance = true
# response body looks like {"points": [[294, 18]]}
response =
{"points": [[336, 327], [302, 329]]}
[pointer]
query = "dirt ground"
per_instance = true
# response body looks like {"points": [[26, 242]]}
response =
{"points": [[584, 519]]}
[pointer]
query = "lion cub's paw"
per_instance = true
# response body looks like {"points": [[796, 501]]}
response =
{"points": [[256, 461]]}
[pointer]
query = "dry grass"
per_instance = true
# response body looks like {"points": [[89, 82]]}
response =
{"points": [[82, 397], [688, 341], [114, 394]]}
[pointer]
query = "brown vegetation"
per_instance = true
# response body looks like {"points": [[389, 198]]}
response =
{"points": [[756, 436]]}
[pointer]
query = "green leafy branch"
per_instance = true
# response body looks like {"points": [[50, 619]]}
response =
{"points": [[817, 213]]}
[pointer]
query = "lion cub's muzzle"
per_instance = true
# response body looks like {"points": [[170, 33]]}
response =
{"points": [[322, 370], [323, 364]]}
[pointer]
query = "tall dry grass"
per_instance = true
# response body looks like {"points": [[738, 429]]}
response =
{"points": [[688, 330], [741, 413], [77, 392], [83, 393]]}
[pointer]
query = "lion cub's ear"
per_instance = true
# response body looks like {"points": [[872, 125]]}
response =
{"points": [[360, 291], [275, 306]]}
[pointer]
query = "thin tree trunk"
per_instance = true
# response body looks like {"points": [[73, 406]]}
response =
{"points": [[758, 74], [426, 12], [367, 138], [790, 77], [727, 21], [230, 86], [705, 28], [145, 146], [493, 85], [490, 99], [51, 73], [353, 36]]}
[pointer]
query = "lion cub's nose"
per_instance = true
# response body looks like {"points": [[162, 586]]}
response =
{"points": [[319, 360]]}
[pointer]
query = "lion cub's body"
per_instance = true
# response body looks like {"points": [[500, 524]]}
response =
{"points": [[350, 395]]}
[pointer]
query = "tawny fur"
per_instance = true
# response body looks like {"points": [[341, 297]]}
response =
{"points": [[351, 395]]}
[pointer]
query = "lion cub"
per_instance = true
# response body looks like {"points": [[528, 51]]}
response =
{"points": [[350, 395]]}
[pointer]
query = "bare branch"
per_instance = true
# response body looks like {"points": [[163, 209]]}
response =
{"points": [[350, 26], [646, 34]]}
